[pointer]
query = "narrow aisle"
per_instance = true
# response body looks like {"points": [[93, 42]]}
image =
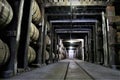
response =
{"points": [[70, 70], [75, 72]]}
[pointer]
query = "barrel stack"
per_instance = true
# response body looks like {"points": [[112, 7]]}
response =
{"points": [[4, 53], [6, 13], [34, 32]]}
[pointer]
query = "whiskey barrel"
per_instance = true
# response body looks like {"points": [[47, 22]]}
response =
{"points": [[4, 53], [118, 37], [31, 55], [34, 32], [6, 13], [48, 26], [110, 10], [53, 55], [48, 41], [57, 56], [60, 57], [46, 55], [36, 13]]}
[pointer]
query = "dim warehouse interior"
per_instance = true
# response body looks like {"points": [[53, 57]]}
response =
{"points": [[60, 39]]}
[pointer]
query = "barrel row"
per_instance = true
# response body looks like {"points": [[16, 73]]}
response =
{"points": [[34, 32], [47, 55], [31, 55], [61, 56], [61, 53], [6, 13], [36, 16], [36, 13], [4, 53]]}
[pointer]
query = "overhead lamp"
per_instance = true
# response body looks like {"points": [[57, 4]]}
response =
{"points": [[71, 41], [71, 47]]}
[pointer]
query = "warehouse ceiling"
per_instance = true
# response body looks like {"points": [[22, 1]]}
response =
{"points": [[74, 19]]}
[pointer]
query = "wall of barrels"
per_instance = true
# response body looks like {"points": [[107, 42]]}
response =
{"points": [[30, 37], [6, 15], [6, 19], [34, 33], [23, 32], [48, 44]]}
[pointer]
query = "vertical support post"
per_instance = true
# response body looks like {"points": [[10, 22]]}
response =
{"points": [[44, 34], [96, 45], [25, 37], [40, 41], [92, 46], [89, 46], [51, 46], [105, 40], [56, 51], [85, 47], [38, 58]]}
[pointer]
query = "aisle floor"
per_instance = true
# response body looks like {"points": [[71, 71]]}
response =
{"points": [[70, 70]]}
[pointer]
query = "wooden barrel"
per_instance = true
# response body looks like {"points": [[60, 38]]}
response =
{"points": [[118, 27], [53, 55], [48, 41], [6, 13], [34, 32], [48, 48], [48, 26], [118, 37], [60, 57], [36, 13], [4, 53], [110, 10], [31, 55], [57, 56], [46, 55]]}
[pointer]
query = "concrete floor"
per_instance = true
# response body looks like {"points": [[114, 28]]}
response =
{"points": [[70, 70]]}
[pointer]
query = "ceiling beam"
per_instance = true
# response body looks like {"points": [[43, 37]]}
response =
{"points": [[74, 26], [69, 14], [74, 21], [72, 31], [75, 3]]}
